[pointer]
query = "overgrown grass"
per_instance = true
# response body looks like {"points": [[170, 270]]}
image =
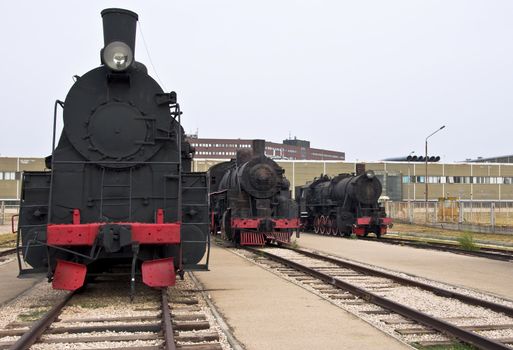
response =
{"points": [[406, 229], [466, 241], [7, 240], [32, 315], [294, 244]]}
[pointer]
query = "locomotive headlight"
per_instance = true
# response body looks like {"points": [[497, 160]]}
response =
{"points": [[118, 56], [369, 174]]}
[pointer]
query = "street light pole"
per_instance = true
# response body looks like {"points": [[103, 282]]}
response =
{"points": [[426, 174], [409, 185]]}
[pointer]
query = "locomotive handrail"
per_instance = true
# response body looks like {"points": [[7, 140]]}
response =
{"points": [[218, 192], [12, 223]]}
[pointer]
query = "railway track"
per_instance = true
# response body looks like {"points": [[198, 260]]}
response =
{"points": [[170, 319], [7, 252], [416, 312]]}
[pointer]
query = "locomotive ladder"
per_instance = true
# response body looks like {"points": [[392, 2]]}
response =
{"points": [[204, 204], [128, 196]]}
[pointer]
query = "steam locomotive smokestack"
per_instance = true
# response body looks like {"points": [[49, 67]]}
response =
{"points": [[258, 148], [119, 25]]}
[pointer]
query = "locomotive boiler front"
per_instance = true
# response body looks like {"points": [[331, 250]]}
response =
{"points": [[259, 177], [365, 188]]}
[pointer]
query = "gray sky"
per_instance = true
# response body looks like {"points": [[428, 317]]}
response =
{"points": [[371, 78]]}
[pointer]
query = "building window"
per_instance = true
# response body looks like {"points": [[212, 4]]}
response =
{"points": [[9, 175]]}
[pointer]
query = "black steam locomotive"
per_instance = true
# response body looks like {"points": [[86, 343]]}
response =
{"points": [[250, 199], [344, 204], [120, 191]]}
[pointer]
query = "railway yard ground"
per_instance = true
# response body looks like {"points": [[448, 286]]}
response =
{"points": [[440, 234], [472, 272], [269, 306]]}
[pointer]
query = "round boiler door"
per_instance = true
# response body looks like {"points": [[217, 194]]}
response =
{"points": [[117, 130], [263, 177]]}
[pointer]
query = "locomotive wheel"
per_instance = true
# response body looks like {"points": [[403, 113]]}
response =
{"points": [[322, 225], [334, 229], [226, 232], [329, 226], [316, 224], [334, 226]]}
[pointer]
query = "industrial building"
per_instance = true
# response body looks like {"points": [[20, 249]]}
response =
{"points": [[402, 181], [10, 175], [291, 149]]}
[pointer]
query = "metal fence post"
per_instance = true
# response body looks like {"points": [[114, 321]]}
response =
{"points": [[492, 216], [460, 214], [2, 209]]}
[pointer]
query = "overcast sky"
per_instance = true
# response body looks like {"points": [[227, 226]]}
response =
{"points": [[370, 78]]}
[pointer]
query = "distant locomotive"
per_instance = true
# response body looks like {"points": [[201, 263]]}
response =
{"points": [[119, 191], [250, 199], [344, 204]]}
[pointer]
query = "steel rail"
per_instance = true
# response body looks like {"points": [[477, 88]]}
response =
{"points": [[420, 317], [8, 251], [40, 326], [167, 324], [406, 281], [495, 254]]}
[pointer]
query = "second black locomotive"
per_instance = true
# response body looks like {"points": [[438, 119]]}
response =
{"points": [[250, 199], [342, 205]]}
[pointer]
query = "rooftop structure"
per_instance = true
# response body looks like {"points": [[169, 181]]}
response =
{"points": [[291, 149], [500, 159]]}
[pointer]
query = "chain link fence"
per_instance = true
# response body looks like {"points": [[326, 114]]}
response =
{"points": [[468, 215]]}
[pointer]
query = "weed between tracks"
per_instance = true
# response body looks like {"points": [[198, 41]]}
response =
{"points": [[466, 241], [7, 239], [33, 315]]}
